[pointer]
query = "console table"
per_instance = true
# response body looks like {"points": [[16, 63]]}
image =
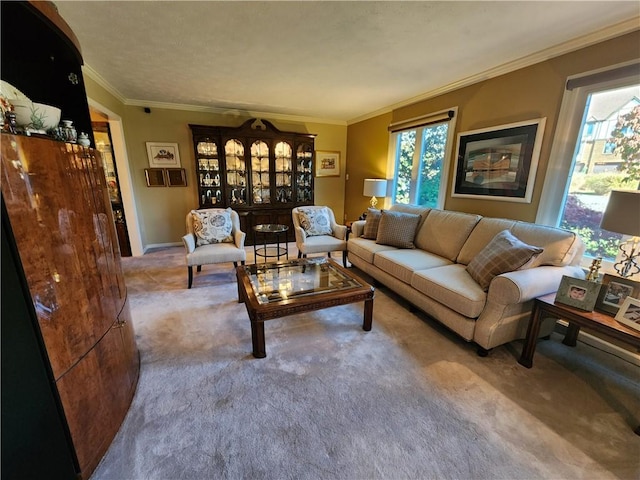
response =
{"points": [[545, 306]]}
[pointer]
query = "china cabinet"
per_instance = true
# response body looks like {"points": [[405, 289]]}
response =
{"points": [[69, 385], [256, 169]]}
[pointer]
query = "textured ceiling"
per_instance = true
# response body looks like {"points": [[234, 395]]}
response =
{"points": [[329, 60]]}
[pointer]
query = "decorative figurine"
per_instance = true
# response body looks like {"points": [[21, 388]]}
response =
{"points": [[592, 276]]}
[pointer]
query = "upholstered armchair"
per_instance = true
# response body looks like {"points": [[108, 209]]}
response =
{"points": [[213, 236], [316, 231]]}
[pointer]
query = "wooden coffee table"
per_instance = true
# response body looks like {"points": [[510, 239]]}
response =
{"points": [[275, 290]]}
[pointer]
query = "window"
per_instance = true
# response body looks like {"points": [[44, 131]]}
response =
{"points": [[587, 161], [419, 160]]}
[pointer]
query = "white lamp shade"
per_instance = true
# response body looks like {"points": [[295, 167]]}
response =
{"points": [[622, 214], [375, 187]]}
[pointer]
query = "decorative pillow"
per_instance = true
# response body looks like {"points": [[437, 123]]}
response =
{"points": [[397, 229], [212, 226], [371, 225], [315, 221], [504, 253]]}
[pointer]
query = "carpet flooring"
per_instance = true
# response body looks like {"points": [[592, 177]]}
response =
{"points": [[407, 400]]}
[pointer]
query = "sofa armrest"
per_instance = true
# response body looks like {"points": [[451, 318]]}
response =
{"points": [[357, 228], [339, 231], [189, 241], [523, 285]]}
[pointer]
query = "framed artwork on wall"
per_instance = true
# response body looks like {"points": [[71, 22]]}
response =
{"points": [[163, 155], [155, 177], [327, 164], [499, 163], [176, 177]]}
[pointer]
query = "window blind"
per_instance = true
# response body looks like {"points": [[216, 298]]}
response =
{"points": [[422, 121], [600, 77]]}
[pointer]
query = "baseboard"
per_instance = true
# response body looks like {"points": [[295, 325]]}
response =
{"points": [[601, 344], [152, 246]]}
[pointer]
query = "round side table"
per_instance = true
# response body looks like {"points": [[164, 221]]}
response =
{"points": [[266, 251]]}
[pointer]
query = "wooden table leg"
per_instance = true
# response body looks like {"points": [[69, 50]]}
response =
{"points": [[257, 339], [526, 359], [368, 315], [571, 337]]}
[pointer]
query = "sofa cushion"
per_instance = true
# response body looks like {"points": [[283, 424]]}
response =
{"points": [[371, 224], [481, 235], [212, 226], [453, 287], [397, 229], [560, 246], [366, 249], [315, 221], [444, 232], [504, 253], [402, 263]]}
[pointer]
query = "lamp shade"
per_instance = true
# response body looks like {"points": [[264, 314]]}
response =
{"points": [[375, 187], [622, 214]]}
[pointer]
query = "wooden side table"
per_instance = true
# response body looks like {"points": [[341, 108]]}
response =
{"points": [[545, 306]]}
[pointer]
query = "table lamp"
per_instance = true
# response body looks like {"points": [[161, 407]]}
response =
{"points": [[374, 187], [622, 215]]}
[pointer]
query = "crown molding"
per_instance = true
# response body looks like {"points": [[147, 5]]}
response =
{"points": [[584, 41], [96, 77]]}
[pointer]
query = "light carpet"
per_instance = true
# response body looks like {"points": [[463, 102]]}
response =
{"points": [[408, 400]]}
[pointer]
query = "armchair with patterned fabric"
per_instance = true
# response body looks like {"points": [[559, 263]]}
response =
{"points": [[316, 231], [213, 236]]}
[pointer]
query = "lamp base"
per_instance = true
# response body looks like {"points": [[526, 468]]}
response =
{"points": [[628, 264], [373, 202]]}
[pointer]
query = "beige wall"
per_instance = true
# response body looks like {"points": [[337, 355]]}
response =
{"points": [[525, 94], [161, 210]]}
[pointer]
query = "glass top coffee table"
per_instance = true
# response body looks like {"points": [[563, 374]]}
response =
{"points": [[274, 290]]}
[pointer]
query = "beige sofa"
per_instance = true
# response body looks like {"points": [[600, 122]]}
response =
{"points": [[433, 276]]}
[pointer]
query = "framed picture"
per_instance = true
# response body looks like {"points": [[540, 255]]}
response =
{"points": [[176, 177], [629, 313], [614, 292], [163, 155], [327, 164], [155, 177], [578, 293], [499, 163]]}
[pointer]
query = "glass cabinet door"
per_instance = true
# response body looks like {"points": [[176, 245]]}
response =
{"points": [[284, 187], [236, 189], [209, 182], [304, 173], [260, 173]]}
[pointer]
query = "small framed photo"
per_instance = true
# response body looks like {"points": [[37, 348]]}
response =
{"points": [[629, 313], [155, 177], [327, 164], [614, 292], [163, 155], [578, 293], [176, 177]]}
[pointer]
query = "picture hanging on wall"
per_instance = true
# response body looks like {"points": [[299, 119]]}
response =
{"points": [[327, 164], [163, 155], [499, 163]]}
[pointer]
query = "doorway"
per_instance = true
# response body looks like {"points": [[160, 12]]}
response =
{"points": [[103, 142]]}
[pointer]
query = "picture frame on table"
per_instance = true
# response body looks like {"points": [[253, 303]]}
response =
{"points": [[629, 313], [155, 177], [499, 163], [176, 177], [327, 164], [614, 291], [163, 155], [578, 293]]}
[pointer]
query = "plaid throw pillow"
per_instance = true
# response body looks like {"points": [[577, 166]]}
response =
{"points": [[504, 253], [397, 229], [371, 225], [213, 226]]}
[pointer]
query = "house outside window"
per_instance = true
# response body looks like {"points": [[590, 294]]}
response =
{"points": [[597, 165]]}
